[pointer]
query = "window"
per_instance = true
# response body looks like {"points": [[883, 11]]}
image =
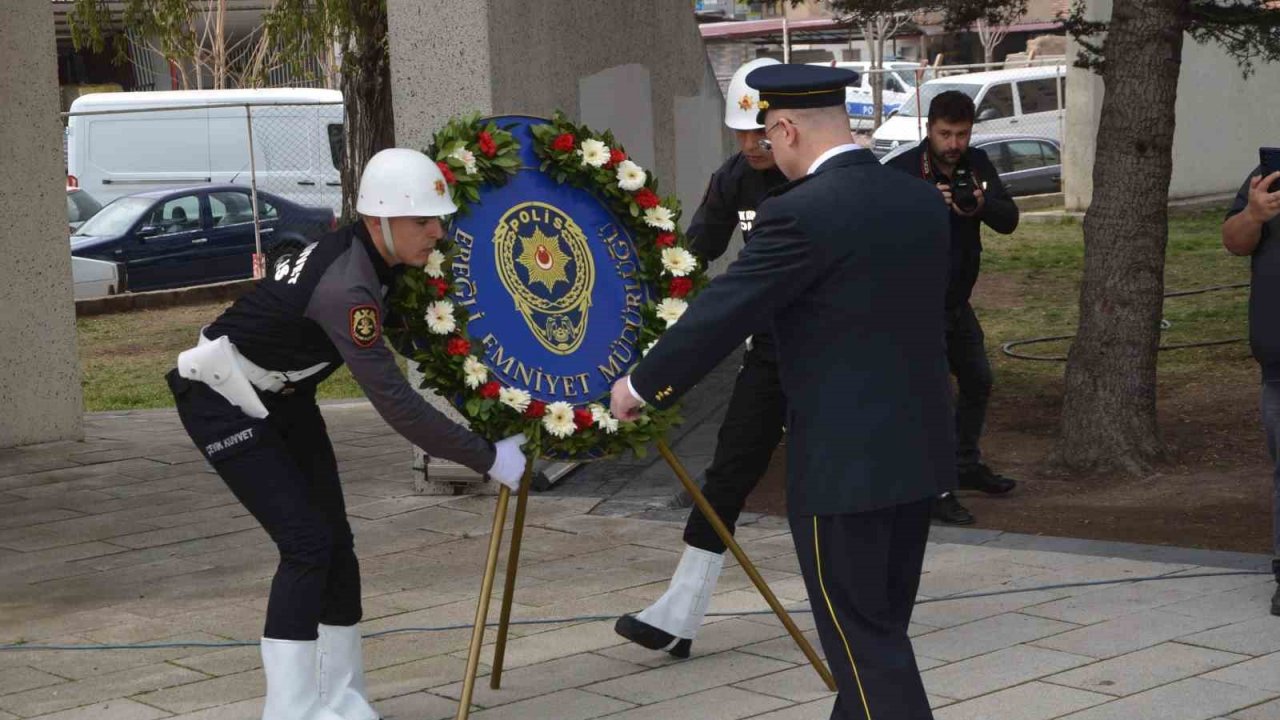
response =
{"points": [[234, 208], [1051, 156], [335, 145], [999, 156], [177, 215], [891, 84], [80, 206], [997, 103], [1038, 95], [1025, 155]]}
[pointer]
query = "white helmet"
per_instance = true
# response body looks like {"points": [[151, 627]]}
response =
{"points": [[742, 102], [399, 182]]}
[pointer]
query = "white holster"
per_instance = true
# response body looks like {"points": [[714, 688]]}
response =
{"points": [[216, 363]]}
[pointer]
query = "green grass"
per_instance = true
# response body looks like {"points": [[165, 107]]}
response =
{"points": [[124, 357], [1029, 288]]}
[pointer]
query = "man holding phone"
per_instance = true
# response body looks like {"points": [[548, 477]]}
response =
{"points": [[1252, 227]]}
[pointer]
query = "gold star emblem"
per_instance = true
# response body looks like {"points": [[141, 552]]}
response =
{"points": [[745, 103], [440, 188], [543, 258]]}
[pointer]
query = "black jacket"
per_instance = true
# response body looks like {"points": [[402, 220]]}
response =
{"points": [[324, 304], [734, 193], [999, 212], [848, 266]]}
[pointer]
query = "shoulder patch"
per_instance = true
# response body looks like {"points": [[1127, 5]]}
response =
{"points": [[366, 326]]}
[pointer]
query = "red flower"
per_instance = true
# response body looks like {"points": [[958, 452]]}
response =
{"points": [[536, 409], [647, 199], [460, 346], [616, 157], [487, 145], [439, 286], [665, 240], [490, 390], [564, 143], [582, 418], [680, 287], [448, 174]]}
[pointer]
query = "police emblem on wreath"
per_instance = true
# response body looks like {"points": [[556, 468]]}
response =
{"points": [[544, 262], [364, 325], [561, 268]]}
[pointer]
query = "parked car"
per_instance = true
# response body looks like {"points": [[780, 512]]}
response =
{"points": [[1028, 165], [80, 207], [95, 278], [1024, 100], [193, 236], [898, 78]]}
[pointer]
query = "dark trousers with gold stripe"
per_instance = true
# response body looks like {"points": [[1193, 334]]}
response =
{"points": [[862, 571]]}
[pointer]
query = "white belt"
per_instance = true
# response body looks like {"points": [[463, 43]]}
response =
{"points": [[218, 364]]}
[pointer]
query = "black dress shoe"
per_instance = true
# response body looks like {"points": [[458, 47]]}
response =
{"points": [[980, 477], [949, 510], [646, 635]]}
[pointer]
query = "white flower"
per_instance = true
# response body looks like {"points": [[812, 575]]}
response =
{"points": [[467, 157], [440, 317], [678, 261], [660, 217], [514, 398], [631, 176], [646, 350], [559, 419], [670, 310], [594, 153], [435, 264], [603, 419], [474, 372]]}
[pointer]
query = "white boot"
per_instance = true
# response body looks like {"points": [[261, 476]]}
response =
{"points": [[293, 689], [682, 607], [342, 673]]}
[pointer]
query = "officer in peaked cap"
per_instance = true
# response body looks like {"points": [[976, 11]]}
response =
{"points": [[846, 267]]}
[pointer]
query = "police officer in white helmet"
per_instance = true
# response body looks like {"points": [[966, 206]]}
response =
{"points": [[246, 396], [753, 425]]}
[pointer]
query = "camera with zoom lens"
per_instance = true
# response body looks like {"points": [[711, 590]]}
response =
{"points": [[962, 190]]}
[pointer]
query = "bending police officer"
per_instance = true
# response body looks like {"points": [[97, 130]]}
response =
{"points": [[246, 396]]}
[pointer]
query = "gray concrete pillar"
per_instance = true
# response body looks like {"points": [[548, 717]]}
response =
{"points": [[40, 396]]}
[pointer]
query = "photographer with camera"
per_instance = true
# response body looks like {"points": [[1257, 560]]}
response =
{"points": [[972, 189]]}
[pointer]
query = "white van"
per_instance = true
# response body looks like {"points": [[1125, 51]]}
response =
{"points": [[899, 78], [117, 149], [1027, 101]]}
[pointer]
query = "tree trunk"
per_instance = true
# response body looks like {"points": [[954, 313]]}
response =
{"points": [[988, 54], [1109, 411], [366, 94], [874, 33]]}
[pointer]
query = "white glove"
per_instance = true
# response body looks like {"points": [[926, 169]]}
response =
{"points": [[508, 465]]}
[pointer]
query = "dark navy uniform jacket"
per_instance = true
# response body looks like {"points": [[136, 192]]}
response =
{"points": [[325, 304], [848, 266]]}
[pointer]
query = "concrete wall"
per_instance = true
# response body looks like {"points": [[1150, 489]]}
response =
{"points": [[638, 68], [1222, 119], [40, 386]]}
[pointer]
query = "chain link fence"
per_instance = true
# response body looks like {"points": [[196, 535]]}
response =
{"points": [[1021, 114], [200, 192]]}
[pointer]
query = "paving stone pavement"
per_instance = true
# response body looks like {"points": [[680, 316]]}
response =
{"points": [[128, 538]]}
